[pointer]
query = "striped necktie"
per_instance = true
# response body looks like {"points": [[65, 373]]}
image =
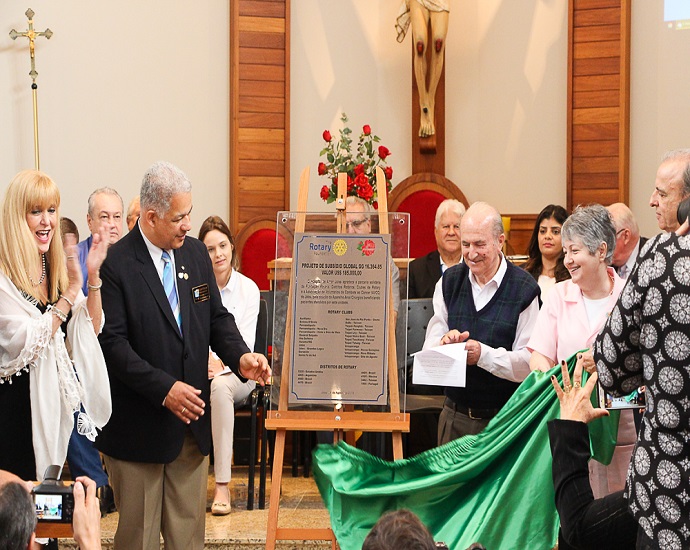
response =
{"points": [[170, 290]]}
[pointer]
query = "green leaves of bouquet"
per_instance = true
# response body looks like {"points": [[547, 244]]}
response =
{"points": [[359, 164]]}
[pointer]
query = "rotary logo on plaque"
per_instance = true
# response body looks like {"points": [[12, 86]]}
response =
{"points": [[339, 247]]}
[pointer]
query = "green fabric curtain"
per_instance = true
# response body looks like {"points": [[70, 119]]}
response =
{"points": [[494, 488]]}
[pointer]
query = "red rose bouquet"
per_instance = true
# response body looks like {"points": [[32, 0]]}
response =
{"points": [[360, 165]]}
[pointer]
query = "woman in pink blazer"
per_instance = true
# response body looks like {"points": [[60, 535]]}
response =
{"points": [[573, 314]]}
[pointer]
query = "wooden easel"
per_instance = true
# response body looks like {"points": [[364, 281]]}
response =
{"points": [[54, 530], [339, 421]]}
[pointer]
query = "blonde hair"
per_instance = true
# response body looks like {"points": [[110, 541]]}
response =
{"points": [[18, 252]]}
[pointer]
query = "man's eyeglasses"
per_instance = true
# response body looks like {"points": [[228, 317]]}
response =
{"points": [[356, 224], [620, 231]]}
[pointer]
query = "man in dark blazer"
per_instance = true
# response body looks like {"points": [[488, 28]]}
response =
{"points": [[628, 240], [155, 344], [423, 273]]}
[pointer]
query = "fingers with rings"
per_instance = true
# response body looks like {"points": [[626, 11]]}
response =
{"points": [[577, 385], [184, 409], [566, 377]]}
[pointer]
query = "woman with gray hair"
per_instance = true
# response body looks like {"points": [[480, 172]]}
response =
{"points": [[573, 314]]}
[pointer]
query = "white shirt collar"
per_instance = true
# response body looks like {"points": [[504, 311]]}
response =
{"points": [[232, 282], [443, 264], [156, 253], [496, 280]]}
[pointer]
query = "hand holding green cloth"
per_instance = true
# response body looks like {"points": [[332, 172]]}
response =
{"points": [[494, 488]]}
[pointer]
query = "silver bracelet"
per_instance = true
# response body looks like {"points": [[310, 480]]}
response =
{"points": [[66, 299], [94, 287], [58, 313]]}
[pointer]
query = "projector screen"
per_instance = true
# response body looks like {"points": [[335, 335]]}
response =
{"points": [[677, 14]]}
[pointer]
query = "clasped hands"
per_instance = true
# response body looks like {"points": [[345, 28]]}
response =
{"points": [[473, 348], [184, 402]]}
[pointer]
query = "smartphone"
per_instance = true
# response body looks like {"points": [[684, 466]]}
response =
{"points": [[634, 400]]}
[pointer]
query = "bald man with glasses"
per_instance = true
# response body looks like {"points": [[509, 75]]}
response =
{"points": [[628, 240], [358, 216]]}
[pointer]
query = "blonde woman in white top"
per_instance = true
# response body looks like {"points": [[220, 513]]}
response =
{"points": [[51, 365], [240, 296]]}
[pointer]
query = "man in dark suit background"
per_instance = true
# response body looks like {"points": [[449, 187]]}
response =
{"points": [[628, 240], [163, 310], [423, 273]]}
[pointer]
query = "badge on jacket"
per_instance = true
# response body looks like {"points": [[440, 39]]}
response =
{"points": [[201, 293]]}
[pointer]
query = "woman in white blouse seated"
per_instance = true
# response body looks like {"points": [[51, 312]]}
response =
{"points": [[241, 297]]}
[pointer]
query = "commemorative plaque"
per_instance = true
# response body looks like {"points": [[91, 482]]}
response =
{"points": [[340, 314]]}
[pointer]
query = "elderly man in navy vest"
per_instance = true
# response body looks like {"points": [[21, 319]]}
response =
{"points": [[492, 306]]}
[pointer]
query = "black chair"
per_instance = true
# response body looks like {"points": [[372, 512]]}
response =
{"points": [[258, 406], [424, 403]]}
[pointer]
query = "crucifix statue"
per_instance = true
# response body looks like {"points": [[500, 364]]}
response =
{"points": [[31, 34], [429, 21]]}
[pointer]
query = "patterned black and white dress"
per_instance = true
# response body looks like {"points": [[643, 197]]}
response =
{"points": [[646, 341]]}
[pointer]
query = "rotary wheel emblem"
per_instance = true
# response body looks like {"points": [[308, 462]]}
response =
{"points": [[339, 247]]}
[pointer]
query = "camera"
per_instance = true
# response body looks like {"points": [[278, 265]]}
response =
{"points": [[53, 500]]}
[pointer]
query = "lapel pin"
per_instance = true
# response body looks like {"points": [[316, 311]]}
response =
{"points": [[180, 275]]}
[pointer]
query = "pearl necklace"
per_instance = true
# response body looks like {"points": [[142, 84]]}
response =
{"points": [[43, 272]]}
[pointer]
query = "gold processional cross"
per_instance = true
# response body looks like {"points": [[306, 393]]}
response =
{"points": [[31, 34]]}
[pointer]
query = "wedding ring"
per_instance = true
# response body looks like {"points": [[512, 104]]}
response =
{"points": [[577, 385], [567, 388], [70, 257], [183, 410]]}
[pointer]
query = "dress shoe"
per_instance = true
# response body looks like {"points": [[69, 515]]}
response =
{"points": [[220, 508], [107, 500]]}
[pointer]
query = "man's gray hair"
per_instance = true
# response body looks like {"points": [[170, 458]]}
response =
{"points": [[452, 206], [351, 200], [17, 517], [592, 225], [161, 182], [103, 191], [682, 155]]}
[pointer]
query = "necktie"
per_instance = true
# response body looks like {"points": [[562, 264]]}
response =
{"points": [[169, 287], [623, 271]]}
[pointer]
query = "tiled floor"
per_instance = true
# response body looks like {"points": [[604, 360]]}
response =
{"points": [[301, 507]]}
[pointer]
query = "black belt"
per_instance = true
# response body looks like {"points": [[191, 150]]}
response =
{"points": [[472, 412]]}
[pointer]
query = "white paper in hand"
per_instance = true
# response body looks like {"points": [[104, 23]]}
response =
{"points": [[440, 366]]}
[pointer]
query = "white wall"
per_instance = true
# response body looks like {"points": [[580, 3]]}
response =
{"points": [[506, 70], [660, 109], [121, 85], [506, 89]]}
